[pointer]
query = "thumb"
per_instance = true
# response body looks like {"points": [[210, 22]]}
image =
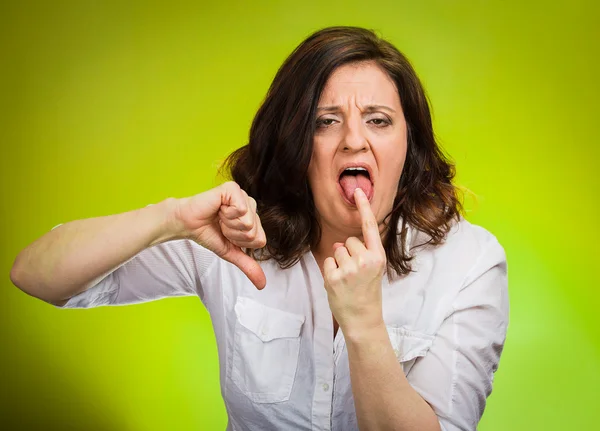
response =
{"points": [[248, 265]]}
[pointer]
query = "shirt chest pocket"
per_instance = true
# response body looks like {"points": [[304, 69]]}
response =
{"points": [[409, 345], [266, 351]]}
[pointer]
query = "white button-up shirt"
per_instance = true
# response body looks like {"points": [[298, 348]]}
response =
{"points": [[281, 367]]}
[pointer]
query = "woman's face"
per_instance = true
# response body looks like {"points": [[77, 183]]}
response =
{"points": [[360, 124]]}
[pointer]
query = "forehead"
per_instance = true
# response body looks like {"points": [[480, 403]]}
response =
{"points": [[366, 82]]}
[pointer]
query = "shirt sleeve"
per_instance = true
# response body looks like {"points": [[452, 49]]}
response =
{"points": [[173, 268], [456, 375]]}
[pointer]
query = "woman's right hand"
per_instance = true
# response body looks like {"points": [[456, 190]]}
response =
{"points": [[223, 220]]}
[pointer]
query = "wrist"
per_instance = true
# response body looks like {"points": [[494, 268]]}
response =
{"points": [[169, 225], [364, 331]]}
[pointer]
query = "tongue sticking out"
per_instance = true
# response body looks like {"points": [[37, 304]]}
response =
{"points": [[350, 182]]}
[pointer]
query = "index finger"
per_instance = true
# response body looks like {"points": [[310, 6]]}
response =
{"points": [[370, 228]]}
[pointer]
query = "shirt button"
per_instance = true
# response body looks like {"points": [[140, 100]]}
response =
{"points": [[325, 387]]}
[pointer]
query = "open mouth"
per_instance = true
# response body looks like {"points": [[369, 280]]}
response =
{"points": [[352, 178]]}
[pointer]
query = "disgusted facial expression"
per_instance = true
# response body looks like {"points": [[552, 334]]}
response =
{"points": [[360, 141]]}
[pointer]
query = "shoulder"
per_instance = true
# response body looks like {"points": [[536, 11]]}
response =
{"points": [[462, 234], [468, 249], [469, 237]]}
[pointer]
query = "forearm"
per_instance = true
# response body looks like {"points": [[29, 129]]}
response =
{"points": [[71, 258], [383, 398]]}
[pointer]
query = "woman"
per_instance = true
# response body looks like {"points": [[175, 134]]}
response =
{"points": [[341, 214]]}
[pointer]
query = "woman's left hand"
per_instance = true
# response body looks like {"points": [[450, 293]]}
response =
{"points": [[353, 276]]}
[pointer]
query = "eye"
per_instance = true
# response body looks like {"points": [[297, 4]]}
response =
{"points": [[380, 122], [325, 122]]}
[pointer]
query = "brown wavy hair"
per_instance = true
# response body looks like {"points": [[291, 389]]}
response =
{"points": [[272, 167]]}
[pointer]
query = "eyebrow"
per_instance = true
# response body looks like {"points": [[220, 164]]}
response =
{"points": [[368, 108]]}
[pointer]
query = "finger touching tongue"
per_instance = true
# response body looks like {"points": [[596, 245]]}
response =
{"points": [[349, 183]]}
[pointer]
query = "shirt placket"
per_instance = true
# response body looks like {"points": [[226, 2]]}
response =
{"points": [[323, 360], [338, 347]]}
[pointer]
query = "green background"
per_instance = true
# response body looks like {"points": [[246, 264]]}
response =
{"points": [[107, 106]]}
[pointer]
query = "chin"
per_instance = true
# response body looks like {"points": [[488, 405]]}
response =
{"points": [[347, 220]]}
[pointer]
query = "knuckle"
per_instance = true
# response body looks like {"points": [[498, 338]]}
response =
{"points": [[362, 262], [246, 224], [379, 262], [334, 277], [371, 261], [247, 236], [351, 271], [232, 186], [346, 275], [369, 223]]}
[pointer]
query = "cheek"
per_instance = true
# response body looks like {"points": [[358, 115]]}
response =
{"points": [[317, 171], [313, 172], [394, 167], [315, 180], [393, 158]]}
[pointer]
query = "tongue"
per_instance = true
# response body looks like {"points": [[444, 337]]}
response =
{"points": [[350, 182]]}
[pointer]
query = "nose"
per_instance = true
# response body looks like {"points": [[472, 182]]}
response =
{"points": [[354, 138]]}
